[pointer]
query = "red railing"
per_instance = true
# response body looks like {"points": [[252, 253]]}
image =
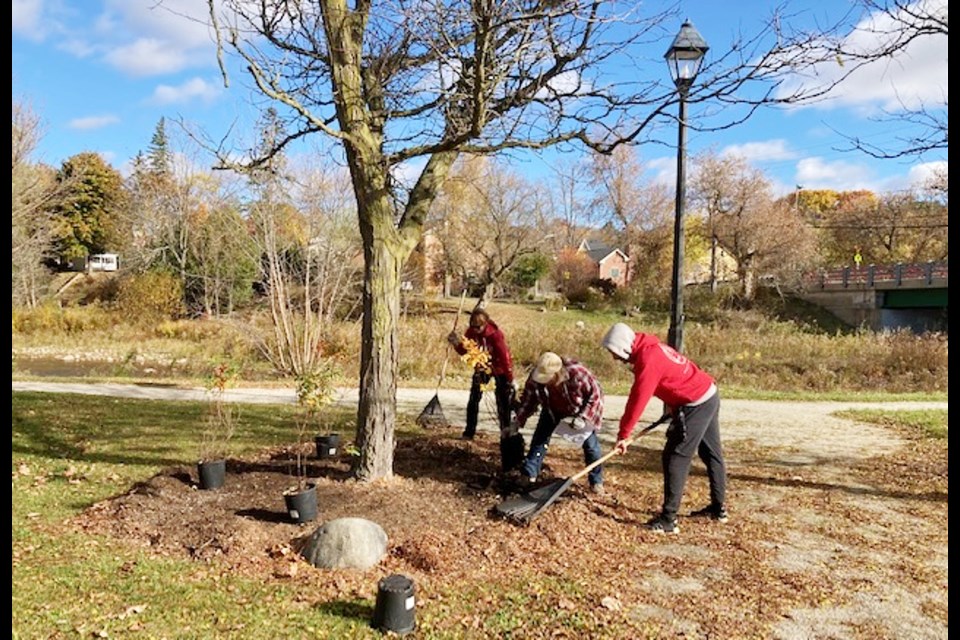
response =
{"points": [[927, 273]]}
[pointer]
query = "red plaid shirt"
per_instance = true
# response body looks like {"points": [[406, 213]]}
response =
{"points": [[579, 395]]}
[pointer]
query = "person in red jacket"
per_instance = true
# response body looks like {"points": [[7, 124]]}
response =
{"points": [[499, 365], [690, 395]]}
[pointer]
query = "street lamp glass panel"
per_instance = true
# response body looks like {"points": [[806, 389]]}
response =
{"points": [[686, 54]]}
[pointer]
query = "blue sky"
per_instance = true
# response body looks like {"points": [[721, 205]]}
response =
{"points": [[101, 73]]}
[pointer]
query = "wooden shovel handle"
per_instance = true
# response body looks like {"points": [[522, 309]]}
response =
{"points": [[590, 467]]}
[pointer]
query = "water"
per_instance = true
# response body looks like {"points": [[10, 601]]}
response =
{"points": [[57, 368]]}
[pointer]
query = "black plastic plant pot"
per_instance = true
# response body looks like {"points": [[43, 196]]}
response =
{"points": [[302, 504], [328, 445], [212, 473], [396, 605]]}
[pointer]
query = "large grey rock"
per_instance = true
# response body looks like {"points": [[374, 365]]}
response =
{"points": [[346, 543]]}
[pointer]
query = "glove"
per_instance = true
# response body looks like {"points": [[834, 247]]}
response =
{"points": [[454, 338], [511, 430]]}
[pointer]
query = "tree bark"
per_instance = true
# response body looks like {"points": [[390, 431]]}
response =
{"points": [[377, 409]]}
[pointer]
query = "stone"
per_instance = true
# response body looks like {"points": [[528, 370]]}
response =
{"points": [[346, 543]]}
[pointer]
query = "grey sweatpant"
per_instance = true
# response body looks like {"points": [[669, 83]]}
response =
{"points": [[693, 430]]}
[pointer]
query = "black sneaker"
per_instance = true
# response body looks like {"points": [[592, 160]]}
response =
{"points": [[714, 512], [661, 524]]}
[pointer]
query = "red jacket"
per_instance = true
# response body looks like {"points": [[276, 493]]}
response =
{"points": [[659, 370], [491, 340]]}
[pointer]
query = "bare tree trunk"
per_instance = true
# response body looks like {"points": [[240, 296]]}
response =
{"points": [[713, 262], [747, 277], [379, 352]]}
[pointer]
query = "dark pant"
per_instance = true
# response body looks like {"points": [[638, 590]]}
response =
{"points": [[504, 393], [541, 440], [694, 430]]}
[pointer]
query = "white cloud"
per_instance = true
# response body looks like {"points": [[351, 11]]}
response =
{"points": [[78, 47], [26, 20], [760, 151], [817, 173], [138, 38], [195, 88], [840, 175], [662, 171], [568, 82], [181, 24], [779, 188], [916, 76], [147, 57], [919, 174], [92, 122]]}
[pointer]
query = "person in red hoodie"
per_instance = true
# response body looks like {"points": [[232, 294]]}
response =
{"points": [[487, 335], [690, 395]]}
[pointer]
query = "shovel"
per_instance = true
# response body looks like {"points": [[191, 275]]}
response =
{"points": [[432, 414], [523, 509]]}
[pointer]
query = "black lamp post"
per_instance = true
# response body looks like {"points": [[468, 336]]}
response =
{"points": [[684, 57]]}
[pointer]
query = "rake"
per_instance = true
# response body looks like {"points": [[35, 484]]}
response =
{"points": [[432, 414], [523, 509]]}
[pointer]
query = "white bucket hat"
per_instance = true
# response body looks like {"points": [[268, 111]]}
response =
{"points": [[619, 340], [548, 364]]}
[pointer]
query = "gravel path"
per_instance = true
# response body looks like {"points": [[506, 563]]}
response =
{"points": [[804, 432]]}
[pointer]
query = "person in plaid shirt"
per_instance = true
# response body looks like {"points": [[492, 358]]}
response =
{"points": [[571, 405]]}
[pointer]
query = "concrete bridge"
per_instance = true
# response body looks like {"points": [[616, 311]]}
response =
{"points": [[912, 296]]}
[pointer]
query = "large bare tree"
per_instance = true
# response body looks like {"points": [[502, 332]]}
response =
{"points": [[414, 84], [493, 220], [763, 236], [569, 203], [34, 191], [641, 211]]}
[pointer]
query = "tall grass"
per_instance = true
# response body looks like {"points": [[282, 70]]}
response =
{"points": [[747, 352]]}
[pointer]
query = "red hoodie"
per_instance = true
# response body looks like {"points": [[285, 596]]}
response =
{"points": [[491, 340], [659, 370]]}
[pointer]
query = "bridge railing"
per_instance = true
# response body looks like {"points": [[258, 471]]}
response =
{"points": [[873, 275]]}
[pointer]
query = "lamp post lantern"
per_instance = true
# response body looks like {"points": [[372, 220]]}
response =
{"points": [[684, 58]]}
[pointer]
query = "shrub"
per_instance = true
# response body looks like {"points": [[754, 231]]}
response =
{"points": [[45, 318], [50, 318], [151, 297], [189, 330]]}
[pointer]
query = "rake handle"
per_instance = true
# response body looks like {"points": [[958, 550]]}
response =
{"points": [[446, 353], [590, 467]]}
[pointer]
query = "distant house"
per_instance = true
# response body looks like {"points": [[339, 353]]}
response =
{"points": [[95, 262], [612, 264]]}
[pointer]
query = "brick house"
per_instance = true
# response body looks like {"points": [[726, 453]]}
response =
{"points": [[612, 264]]}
